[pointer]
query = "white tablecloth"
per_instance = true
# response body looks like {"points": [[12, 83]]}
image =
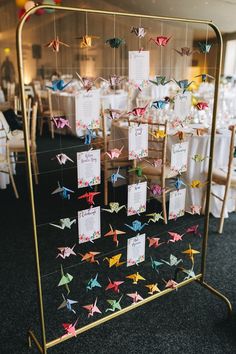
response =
{"points": [[4, 177]]}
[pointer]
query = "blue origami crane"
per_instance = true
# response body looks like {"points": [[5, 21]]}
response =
{"points": [[155, 264], [204, 47], [63, 192], [160, 104], [178, 183], [160, 80], [68, 304], [89, 136], [136, 225], [115, 42], [58, 85], [114, 177], [205, 76], [183, 84], [92, 283]]}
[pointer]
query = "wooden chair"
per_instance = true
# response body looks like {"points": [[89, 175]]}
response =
{"points": [[225, 178], [46, 111], [5, 163], [17, 146], [157, 151], [18, 108]]}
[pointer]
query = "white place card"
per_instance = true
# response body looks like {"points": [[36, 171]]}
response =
{"points": [[137, 198], [139, 66], [183, 102], [179, 156], [138, 141], [136, 250], [89, 224], [87, 110], [177, 203], [88, 168]]}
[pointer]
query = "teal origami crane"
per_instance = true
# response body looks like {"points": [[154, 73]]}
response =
{"points": [[136, 225], [155, 264], [58, 85], [93, 283], [160, 80], [204, 47]]}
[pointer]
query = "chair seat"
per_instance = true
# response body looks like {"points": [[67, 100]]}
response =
{"points": [[150, 170], [219, 176], [17, 145]]}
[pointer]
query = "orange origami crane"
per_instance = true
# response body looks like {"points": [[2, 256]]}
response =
{"points": [[89, 257], [115, 234], [191, 253], [55, 44], [153, 288]]}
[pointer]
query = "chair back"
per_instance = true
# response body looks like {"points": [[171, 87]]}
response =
{"points": [[10, 91], [33, 124]]}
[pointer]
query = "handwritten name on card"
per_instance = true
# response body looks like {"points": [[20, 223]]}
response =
{"points": [[87, 110], [136, 250], [177, 203], [88, 168], [179, 157], [139, 66], [137, 198], [89, 225], [138, 141], [183, 104]]}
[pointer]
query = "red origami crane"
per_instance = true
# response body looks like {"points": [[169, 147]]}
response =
{"points": [[89, 197], [138, 111], [161, 41], [201, 106], [114, 285], [193, 230], [70, 328]]}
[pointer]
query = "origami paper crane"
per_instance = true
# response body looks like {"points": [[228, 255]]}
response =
{"points": [[89, 136], [114, 207], [115, 176], [135, 297], [204, 47], [204, 77], [65, 280], [185, 51], [114, 113], [138, 31], [175, 237], [58, 85], [191, 253], [171, 284], [153, 288], [115, 42], [63, 192], [201, 106], [115, 305], [70, 328], [86, 41], [61, 122], [196, 183], [159, 104], [114, 285], [114, 261], [55, 44], [93, 283], [114, 81], [179, 183], [160, 41], [92, 309], [86, 83], [89, 196], [68, 304], [154, 242], [199, 158], [135, 277], [190, 273], [138, 111], [63, 158], [194, 230], [65, 252], [155, 163], [158, 134], [64, 223], [114, 153], [195, 209], [183, 84], [114, 234], [155, 217], [174, 261], [136, 225], [138, 171], [156, 189], [155, 264], [89, 257], [160, 80]]}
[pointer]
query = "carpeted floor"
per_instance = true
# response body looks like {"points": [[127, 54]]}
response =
{"points": [[190, 320]]}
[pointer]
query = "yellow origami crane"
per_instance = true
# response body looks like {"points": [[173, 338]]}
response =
{"points": [[135, 277], [153, 288], [196, 183], [114, 261], [158, 134], [191, 253], [86, 41]]}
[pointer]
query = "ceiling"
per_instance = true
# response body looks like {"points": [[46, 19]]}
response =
{"points": [[221, 12]]}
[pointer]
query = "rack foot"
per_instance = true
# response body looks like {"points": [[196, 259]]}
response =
{"points": [[217, 293], [32, 337]]}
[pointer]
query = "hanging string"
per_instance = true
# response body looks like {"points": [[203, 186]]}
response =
{"points": [[86, 48], [185, 44], [205, 54], [114, 35], [139, 39], [161, 49]]}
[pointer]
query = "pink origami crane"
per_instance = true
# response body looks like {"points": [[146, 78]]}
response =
{"points": [[66, 252], [114, 153], [156, 189], [136, 297], [62, 158], [175, 237], [114, 285], [193, 230], [195, 209], [55, 44], [185, 51], [202, 105], [70, 328], [92, 308], [138, 111], [154, 242], [61, 122], [86, 82], [171, 284], [161, 41]]}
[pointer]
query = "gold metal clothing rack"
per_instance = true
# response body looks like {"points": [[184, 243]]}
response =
{"points": [[44, 345]]}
